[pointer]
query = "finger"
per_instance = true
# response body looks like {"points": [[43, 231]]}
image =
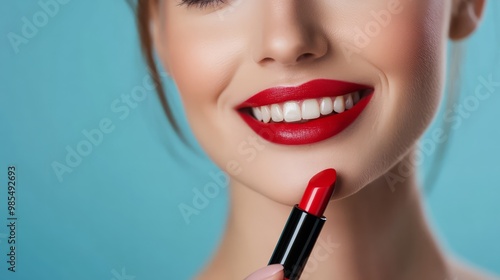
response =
{"points": [[270, 272]]}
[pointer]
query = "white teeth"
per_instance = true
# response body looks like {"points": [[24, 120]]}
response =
{"points": [[310, 109], [291, 111], [355, 97], [338, 104], [276, 113], [266, 113], [348, 101], [257, 114], [326, 106]]}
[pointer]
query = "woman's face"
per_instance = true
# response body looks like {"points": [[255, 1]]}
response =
{"points": [[222, 54]]}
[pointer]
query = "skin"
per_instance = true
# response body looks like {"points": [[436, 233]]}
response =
{"points": [[221, 55]]}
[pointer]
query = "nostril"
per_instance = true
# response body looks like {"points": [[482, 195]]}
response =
{"points": [[305, 56], [267, 60]]}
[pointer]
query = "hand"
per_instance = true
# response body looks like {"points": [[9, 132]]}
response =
{"points": [[270, 272]]}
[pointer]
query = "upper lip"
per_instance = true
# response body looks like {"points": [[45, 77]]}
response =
{"points": [[312, 89]]}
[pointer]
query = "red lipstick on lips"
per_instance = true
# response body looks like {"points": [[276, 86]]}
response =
{"points": [[304, 225], [311, 131]]}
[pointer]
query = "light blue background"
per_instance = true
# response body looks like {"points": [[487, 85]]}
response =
{"points": [[116, 214]]}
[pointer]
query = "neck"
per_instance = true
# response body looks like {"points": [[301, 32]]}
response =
{"points": [[378, 233]]}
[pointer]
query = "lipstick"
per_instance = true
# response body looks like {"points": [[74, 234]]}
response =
{"points": [[304, 225], [305, 131]]}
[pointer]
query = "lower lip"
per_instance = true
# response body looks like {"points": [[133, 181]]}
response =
{"points": [[308, 132]]}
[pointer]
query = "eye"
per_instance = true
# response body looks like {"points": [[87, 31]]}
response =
{"points": [[202, 3]]}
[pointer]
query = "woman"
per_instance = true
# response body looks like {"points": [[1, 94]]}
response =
{"points": [[235, 63]]}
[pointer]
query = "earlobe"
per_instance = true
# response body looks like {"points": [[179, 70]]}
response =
{"points": [[465, 18]]}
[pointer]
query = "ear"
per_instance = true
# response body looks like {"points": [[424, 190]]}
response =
{"points": [[155, 12], [465, 18]]}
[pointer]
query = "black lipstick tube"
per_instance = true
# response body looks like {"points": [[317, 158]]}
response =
{"points": [[296, 242]]}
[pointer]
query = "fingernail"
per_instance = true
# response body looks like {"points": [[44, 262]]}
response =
{"points": [[265, 272]]}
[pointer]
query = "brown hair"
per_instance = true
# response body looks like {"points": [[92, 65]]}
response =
{"points": [[142, 8]]}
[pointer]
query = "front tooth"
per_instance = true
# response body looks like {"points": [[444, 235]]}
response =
{"points": [[355, 97], [257, 113], [338, 104], [266, 113], [348, 102], [291, 111], [310, 109], [276, 113], [326, 106]]}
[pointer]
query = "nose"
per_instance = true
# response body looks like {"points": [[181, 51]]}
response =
{"points": [[289, 34]]}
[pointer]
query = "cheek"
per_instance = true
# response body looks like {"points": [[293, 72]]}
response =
{"points": [[408, 48], [402, 39], [202, 64], [198, 58]]}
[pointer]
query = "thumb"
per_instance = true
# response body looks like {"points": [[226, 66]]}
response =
{"points": [[270, 272]]}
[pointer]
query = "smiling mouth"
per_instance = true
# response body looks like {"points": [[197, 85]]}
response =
{"points": [[301, 111], [305, 114]]}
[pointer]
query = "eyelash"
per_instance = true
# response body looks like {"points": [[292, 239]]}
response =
{"points": [[202, 4]]}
